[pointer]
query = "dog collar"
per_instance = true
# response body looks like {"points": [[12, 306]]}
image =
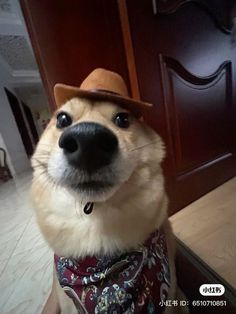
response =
{"points": [[132, 282]]}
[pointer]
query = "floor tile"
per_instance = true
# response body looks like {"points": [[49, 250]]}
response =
{"points": [[25, 259]]}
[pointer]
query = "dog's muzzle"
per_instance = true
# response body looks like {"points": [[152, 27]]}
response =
{"points": [[89, 146]]}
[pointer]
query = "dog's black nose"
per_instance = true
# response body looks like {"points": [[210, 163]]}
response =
{"points": [[88, 146]]}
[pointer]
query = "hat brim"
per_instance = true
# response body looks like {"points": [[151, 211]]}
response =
{"points": [[64, 93]]}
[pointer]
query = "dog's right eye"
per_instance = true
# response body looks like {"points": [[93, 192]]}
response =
{"points": [[63, 120], [121, 119]]}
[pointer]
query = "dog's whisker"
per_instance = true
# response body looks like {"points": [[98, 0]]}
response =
{"points": [[48, 181], [35, 157], [43, 172], [48, 145], [38, 157], [45, 187], [43, 164], [143, 146], [47, 153], [43, 152]]}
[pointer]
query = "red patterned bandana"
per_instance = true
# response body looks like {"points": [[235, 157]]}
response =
{"points": [[132, 282]]}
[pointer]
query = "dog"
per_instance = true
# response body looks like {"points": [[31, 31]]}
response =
{"points": [[100, 202]]}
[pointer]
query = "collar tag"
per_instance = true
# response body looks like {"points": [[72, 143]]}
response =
{"points": [[88, 208]]}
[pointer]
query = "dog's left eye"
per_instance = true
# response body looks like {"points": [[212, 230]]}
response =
{"points": [[121, 119], [63, 120]]}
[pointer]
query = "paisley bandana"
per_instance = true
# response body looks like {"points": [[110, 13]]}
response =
{"points": [[132, 282]]}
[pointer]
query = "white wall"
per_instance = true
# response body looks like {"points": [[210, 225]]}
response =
{"points": [[10, 134]]}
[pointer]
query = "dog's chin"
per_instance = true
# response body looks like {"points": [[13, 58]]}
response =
{"points": [[92, 191]]}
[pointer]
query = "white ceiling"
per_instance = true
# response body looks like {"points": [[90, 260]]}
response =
{"points": [[16, 53], [5, 6], [18, 67]]}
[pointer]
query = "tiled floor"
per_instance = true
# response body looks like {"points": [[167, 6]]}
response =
{"points": [[25, 259]]}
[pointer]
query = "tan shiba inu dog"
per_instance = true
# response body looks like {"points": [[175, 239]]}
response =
{"points": [[99, 198]]}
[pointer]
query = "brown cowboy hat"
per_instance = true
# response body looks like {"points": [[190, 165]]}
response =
{"points": [[101, 85]]}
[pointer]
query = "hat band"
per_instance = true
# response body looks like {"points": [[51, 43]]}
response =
{"points": [[104, 91]]}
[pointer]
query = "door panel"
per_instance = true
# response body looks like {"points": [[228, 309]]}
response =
{"points": [[188, 100], [218, 10], [185, 60]]}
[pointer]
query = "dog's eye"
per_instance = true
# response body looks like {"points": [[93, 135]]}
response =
{"points": [[63, 120], [121, 119]]}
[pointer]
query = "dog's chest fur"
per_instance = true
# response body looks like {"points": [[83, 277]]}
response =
{"points": [[132, 282]]}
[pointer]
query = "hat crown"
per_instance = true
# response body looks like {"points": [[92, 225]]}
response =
{"points": [[101, 85], [101, 79]]}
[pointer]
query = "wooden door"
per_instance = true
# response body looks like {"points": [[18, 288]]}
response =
{"points": [[73, 37], [185, 55]]}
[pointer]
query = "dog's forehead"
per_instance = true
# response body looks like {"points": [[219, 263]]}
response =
{"points": [[79, 107]]}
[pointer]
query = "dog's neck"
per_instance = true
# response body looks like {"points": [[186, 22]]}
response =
{"points": [[119, 224]]}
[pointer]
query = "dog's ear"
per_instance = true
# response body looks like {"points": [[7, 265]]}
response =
{"points": [[63, 93]]}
